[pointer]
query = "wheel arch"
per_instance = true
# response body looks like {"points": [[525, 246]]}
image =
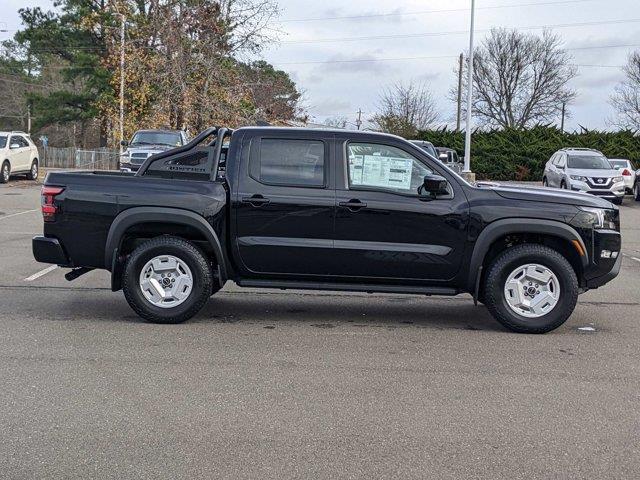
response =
{"points": [[501, 229], [159, 216]]}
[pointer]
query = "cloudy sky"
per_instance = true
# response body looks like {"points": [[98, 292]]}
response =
{"points": [[328, 48]]}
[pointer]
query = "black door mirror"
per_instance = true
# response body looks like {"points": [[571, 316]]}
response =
{"points": [[434, 185], [124, 143]]}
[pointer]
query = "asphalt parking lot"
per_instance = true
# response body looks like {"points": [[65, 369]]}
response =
{"points": [[270, 384]]}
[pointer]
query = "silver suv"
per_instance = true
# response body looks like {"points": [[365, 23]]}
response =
{"points": [[584, 170]]}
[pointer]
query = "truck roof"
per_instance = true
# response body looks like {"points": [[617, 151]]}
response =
{"points": [[319, 131]]}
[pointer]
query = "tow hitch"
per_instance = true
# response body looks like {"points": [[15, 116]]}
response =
{"points": [[76, 272]]}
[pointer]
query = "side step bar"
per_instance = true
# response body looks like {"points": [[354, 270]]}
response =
{"points": [[76, 272], [368, 288]]}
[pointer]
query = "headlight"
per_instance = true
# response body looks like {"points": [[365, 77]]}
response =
{"points": [[598, 218], [618, 179], [579, 178]]}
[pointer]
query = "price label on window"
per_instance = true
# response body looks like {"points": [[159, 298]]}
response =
{"points": [[379, 171]]}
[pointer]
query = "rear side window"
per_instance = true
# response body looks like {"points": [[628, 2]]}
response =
{"points": [[289, 162]]}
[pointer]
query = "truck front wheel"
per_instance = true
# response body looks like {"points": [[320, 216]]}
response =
{"points": [[530, 288], [167, 280]]}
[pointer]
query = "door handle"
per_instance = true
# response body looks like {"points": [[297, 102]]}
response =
{"points": [[256, 200], [354, 204]]}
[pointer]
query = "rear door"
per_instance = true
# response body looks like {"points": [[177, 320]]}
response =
{"points": [[385, 230], [284, 204]]}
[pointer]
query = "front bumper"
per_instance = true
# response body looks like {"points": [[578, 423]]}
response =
{"points": [[49, 250], [129, 167], [603, 267], [617, 190]]}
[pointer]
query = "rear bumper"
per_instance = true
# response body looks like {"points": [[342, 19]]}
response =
{"points": [[49, 250]]}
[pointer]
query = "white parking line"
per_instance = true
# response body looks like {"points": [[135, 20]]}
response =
{"points": [[632, 258], [40, 273], [19, 213]]}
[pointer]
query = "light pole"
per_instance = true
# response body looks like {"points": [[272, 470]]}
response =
{"points": [[122, 20], [467, 142]]}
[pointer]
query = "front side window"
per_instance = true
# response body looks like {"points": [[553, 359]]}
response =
{"points": [[589, 162], [384, 167], [3, 141], [290, 162]]}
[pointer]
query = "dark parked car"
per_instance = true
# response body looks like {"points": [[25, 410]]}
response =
{"points": [[426, 146], [328, 210]]}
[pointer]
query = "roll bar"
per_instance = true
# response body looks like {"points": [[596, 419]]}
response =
{"points": [[218, 132]]}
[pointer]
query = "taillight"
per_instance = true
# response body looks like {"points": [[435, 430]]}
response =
{"points": [[49, 208], [626, 173]]}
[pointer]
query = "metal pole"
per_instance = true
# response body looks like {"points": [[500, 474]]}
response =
{"points": [[359, 120], [467, 141], [29, 118], [562, 121], [459, 113], [122, 18]]}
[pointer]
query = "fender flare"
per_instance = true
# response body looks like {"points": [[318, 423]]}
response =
{"points": [[500, 228], [133, 216]]}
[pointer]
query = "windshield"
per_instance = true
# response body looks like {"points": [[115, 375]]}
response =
{"points": [[3, 141], [588, 162], [157, 138], [619, 163]]}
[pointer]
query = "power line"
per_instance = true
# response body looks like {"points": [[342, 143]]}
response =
{"points": [[459, 32], [425, 12]]}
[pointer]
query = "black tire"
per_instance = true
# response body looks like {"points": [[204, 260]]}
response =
{"points": [[636, 191], [34, 166], [512, 258], [545, 182], [563, 185], [5, 172], [185, 251], [617, 201]]}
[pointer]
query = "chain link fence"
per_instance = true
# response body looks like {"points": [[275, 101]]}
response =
{"points": [[71, 157]]}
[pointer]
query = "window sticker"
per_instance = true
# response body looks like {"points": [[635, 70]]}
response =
{"points": [[379, 171]]}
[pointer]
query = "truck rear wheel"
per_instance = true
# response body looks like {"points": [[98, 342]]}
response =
{"points": [[167, 280], [531, 288]]}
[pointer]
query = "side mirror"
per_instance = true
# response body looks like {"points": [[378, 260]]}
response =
{"points": [[124, 143], [434, 185], [14, 145]]}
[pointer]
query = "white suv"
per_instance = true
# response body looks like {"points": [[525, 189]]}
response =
{"points": [[584, 170], [18, 154]]}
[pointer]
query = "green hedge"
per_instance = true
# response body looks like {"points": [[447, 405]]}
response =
{"points": [[522, 154]]}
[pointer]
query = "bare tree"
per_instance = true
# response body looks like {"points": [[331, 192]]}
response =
{"points": [[626, 98], [405, 109], [520, 79]]}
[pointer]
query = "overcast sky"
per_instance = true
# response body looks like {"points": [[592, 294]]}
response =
{"points": [[344, 86]]}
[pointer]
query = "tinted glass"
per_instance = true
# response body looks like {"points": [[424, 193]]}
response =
{"points": [[290, 162], [590, 162], [3, 141], [619, 163], [386, 167], [157, 138]]}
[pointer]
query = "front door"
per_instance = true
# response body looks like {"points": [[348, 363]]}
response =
{"points": [[284, 206], [385, 229], [20, 155]]}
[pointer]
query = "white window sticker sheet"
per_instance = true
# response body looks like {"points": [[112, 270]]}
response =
{"points": [[379, 171]]}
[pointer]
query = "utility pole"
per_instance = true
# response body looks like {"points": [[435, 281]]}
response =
{"points": [[29, 118], [122, 20], [467, 143], [459, 113], [562, 120], [359, 119]]}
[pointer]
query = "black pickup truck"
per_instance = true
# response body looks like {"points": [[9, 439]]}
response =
{"points": [[323, 209]]}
